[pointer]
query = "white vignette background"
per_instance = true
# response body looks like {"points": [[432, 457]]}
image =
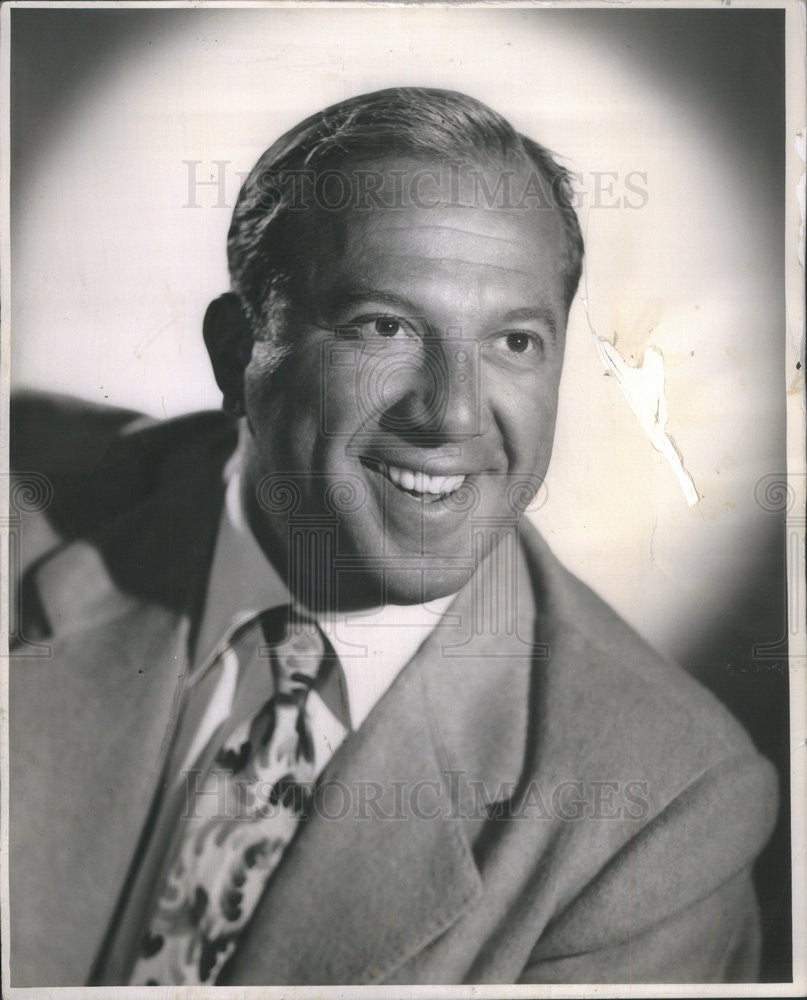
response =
{"points": [[113, 269]]}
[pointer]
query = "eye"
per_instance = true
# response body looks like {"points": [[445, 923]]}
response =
{"points": [[387, 326], [375, 327], [517, 342]]}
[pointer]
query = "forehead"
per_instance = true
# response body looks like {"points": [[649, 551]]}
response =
{"points": [[470, 235]]}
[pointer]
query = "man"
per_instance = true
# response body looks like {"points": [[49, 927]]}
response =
{"points": [[321, 707]]}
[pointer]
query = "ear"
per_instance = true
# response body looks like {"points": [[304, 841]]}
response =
{"points": [[228, 340]]}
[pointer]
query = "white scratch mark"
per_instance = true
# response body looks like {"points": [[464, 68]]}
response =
{"points": [[643, 388]]}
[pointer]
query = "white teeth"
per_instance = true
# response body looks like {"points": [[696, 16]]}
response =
{"points": [[423, 483]]}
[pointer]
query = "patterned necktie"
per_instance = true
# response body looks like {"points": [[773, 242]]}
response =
{"points": [[246, 811]]}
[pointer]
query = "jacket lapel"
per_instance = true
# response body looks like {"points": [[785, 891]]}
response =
{"points": [[385, 864]]}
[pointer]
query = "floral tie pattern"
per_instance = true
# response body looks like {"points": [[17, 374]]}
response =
{"points": [[244, 814]]}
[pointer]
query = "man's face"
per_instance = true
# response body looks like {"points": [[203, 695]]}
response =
{"points": [[415, 412]]}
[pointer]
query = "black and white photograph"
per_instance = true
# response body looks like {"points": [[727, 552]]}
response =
{"points": [[403, 499]]}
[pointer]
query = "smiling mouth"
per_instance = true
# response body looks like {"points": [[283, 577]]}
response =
{"points": [[418, 485]]}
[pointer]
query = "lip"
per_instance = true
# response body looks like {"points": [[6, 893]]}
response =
{"points": [[384, 473], [431, 465], [434, 507]]}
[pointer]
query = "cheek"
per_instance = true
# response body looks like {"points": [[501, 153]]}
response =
{"points": [[526, 416], [281, 398], [341, 404], [358, 387]]}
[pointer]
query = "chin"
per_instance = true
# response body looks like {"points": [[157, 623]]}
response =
{"points": [[358, 590], [422, 586]]}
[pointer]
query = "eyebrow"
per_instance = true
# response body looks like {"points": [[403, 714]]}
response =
{"points": [[355, 296], [537, 313]]}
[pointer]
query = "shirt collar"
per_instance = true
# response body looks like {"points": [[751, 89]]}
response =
{"points": [[242, 581]]}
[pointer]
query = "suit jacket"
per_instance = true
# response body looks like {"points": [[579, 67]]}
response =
{"points": [[570, 808]]}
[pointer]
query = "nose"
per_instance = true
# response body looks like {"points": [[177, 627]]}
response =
{"points": [[440, 396]]}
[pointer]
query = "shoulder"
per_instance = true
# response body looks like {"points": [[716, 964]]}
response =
{"points": [[673, 800], [88, 462], [608, 671], [58, 434], [612, 709], [80, 471]]}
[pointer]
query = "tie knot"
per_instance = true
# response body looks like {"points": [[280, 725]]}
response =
{"points": [[297, 655]]}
